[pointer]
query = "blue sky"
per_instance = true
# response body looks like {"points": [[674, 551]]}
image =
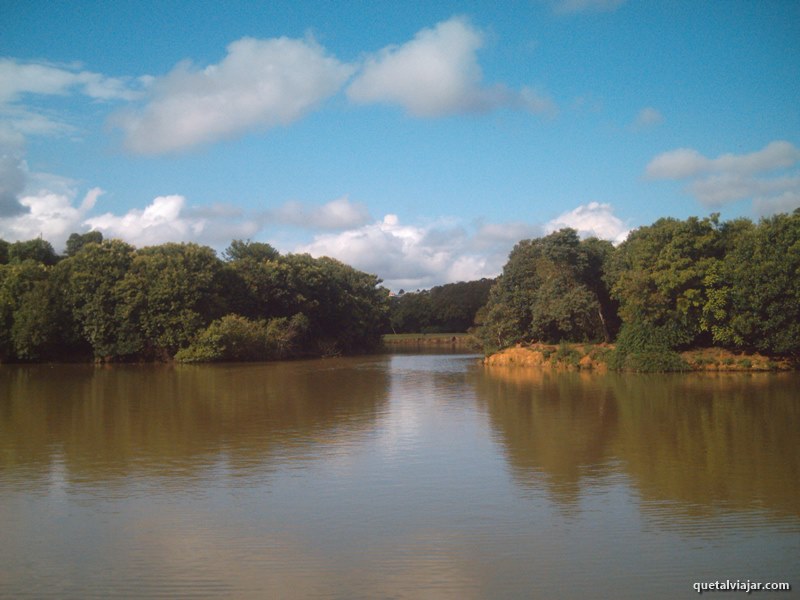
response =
{"points": [[417, 140]]}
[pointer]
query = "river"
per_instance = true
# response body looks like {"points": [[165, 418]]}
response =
{"points": [[396, 476]]}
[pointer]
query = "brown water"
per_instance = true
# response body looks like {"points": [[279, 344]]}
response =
{"points": [[397, 476]]}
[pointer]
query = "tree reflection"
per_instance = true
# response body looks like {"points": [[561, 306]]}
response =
{"points": [[107, 422], [691, 443], [556, 427]]}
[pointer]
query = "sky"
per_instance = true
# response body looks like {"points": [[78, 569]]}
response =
{"points": [[415, 140]]}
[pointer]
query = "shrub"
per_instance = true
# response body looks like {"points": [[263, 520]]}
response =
{"points": [[236, 338], [645, 348], [566, 355]]}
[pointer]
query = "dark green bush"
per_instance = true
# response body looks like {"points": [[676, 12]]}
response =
{"points": [[236, 338], [645, 348]]}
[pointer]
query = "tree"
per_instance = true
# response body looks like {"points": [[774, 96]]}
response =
{"points": [[658, 276], [547, 293], [455, 305], [411, 312], [754, 294], [168, 294], [17, 281], [76, 241], [247, 250], [37, 250], [94, 274]]}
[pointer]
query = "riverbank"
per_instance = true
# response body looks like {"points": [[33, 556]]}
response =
{"points": [[595, 357], [458, 341]]}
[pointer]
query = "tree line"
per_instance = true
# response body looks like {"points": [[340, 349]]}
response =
{"points": [[448, 308], [672, 285], [669, 286], [109, 301]]}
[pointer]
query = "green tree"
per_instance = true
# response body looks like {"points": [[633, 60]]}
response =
{"points": [[168, 294], [546, 293], [455, 305], [347, 309], [94, 274], [76, 241], [247, 250], [754, 294], [17, 281], [37, 250], [411, 312], [658, 276]]}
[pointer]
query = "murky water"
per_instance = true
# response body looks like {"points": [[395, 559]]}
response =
{"points": [[397, 476]]}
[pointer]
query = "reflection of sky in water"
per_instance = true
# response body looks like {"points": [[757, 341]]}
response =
{"points": [[400, 476]]}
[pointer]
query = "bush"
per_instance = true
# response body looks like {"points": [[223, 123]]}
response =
{"points": [[566, 355], [645, 348], [236, 338]]}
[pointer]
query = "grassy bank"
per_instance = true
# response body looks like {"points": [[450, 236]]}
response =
{"points": [[597, 357], [462, 341]]}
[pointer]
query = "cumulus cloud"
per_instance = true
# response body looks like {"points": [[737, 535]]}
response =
{"points": [[420, 256], [170, 219], [336, 214], [408, 256], [732, 177], [48, 214], [259, 84], [437, 73], [592, 220]]}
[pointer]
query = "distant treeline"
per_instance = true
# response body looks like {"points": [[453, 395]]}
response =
{"points": [[449, 308], [673, 285], [109, 301]]}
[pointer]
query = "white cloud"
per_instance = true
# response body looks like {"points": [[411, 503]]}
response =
{"points": [[49, 215], [409, 256], [336, 214], [592, 220], [421, 256], [259, 84], [780, 203], [437, 73], [169, 219], [648, 118], [685, 162], [19, 78], [585, 6], [504, 235], [731, 177]]}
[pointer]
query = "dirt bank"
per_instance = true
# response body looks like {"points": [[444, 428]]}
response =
{"points": [[594, 357]]}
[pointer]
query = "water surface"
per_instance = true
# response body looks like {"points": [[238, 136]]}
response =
{"points": [[402, 476]]}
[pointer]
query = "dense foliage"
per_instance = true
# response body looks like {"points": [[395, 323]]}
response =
{"points": [[108, 300], [551, 290], [449, 308], [672, 285]]}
